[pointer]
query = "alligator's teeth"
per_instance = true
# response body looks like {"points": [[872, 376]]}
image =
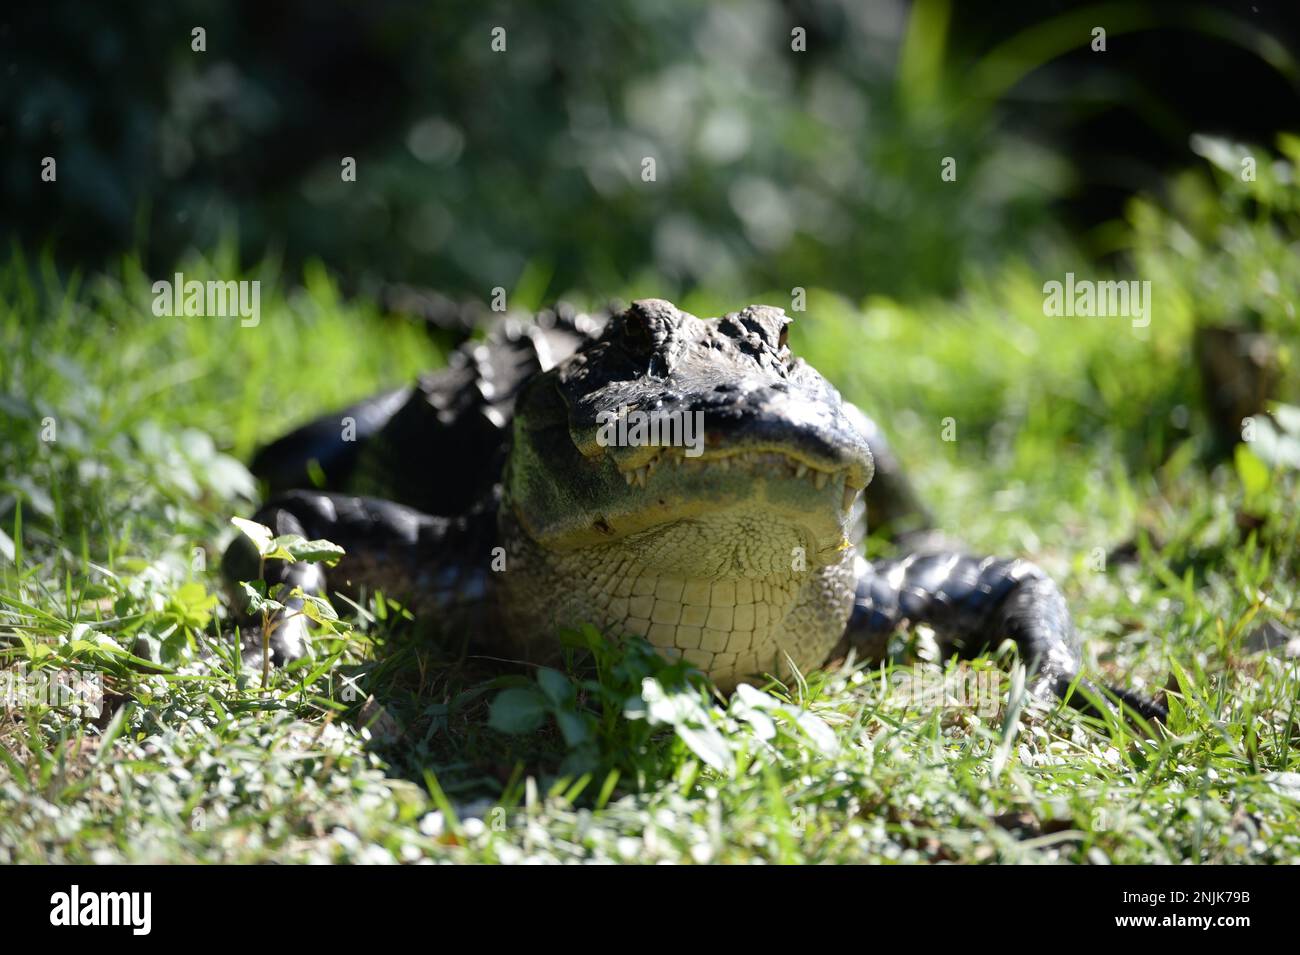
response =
{"points": [[723, 464], [800, 470], [820, 478], [629, 476], [850, 495]]}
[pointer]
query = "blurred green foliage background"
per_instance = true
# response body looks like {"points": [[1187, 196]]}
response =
{"points": [[522, 168]]}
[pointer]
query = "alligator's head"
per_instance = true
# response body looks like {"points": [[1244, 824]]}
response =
{"points": [[690, 480]]}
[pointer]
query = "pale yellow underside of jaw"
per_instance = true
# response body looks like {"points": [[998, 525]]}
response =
{"points": [[738, 593], [726, 627]]}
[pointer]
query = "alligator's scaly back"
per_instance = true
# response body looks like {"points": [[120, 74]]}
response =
{"points": [[438, 445]]}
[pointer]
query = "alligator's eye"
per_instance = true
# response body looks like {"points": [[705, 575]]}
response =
{"points": [[783, 339], [638, 336], [636, 333]]}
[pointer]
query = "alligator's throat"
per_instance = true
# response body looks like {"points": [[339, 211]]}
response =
{"points": [[736, 603]]}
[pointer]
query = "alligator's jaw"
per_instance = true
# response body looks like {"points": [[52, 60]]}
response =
{"points": [[734, 595], [737, 561]]}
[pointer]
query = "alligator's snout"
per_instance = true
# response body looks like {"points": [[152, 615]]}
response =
{"points": [[788, 419], [667, 417]]}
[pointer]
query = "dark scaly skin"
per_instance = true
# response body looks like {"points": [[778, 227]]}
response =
{"points": [[444, 447], [970, 601]]}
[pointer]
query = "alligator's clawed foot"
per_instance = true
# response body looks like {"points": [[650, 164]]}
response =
{"points": [[1092, 699], [973, 603]]}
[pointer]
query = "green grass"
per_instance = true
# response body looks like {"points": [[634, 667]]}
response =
{"points": [[1074, 439]]}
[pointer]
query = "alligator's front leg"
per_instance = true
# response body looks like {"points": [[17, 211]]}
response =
{"points": [[438, 567], [973, 603]]}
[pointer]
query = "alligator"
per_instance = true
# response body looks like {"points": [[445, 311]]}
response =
{"points": [[493, 497]]}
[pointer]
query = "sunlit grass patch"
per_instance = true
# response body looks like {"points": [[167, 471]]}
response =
{"points": [[386, 747]]}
